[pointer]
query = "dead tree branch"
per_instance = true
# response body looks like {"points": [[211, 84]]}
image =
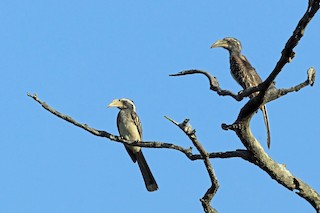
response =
{"points": [[191, 133], [287, 54], [254, 152], [100, 133], [146, 144], [213, 81], [185, 127], [267, 92], [272, 94]]}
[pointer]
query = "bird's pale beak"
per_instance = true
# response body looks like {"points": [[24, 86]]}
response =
{"points": [[115, 103], [219, 43]]}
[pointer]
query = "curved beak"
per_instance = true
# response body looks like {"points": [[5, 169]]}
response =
{"points": [[115, 103], [219, 43]]}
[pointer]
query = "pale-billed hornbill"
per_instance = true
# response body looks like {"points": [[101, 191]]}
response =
{"points": [[129, 127], [243, 72]]}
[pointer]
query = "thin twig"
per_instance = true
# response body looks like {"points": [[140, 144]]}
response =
{"points": [[213, 82]]}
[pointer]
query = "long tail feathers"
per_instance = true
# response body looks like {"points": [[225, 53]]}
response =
{"points": [[266, 122], [148, 178]]}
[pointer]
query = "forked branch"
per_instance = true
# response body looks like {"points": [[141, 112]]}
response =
{"points": [[191, 133], [268, 92], [146, 144]]}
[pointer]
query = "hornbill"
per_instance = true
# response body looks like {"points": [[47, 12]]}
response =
{"points": [[129, 127], [243, 72]]}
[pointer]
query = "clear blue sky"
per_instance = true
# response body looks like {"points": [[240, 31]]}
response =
{"points": [[80, 55]]}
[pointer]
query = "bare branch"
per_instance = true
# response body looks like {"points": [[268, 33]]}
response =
{"points": [[254, 153], [273, 94], [173, 121], [267, 93], [206, 199], [242, 128], [100, 133], [311, 75], [70, 120], [214, 84], [239, 153], [287, 55], [276, 171], [146, 144], [188, 152], [242, 124]]}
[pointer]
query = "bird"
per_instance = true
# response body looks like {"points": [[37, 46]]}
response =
{"points": [[243, 72], [130, 128]]}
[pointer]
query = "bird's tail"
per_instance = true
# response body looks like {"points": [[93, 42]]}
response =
{"points": [[148, 178], [266, 122]]}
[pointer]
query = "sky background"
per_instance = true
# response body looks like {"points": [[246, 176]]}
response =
{"points": [[80, 55]]}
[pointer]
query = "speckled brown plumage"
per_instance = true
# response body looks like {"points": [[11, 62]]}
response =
{"points": [[243, 72]]}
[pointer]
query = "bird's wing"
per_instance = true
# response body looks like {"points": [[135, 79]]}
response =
{"points": [[128, 129], [244, 73], [137, 122], [253, 78]]}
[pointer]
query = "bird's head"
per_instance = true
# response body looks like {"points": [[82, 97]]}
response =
{"points": [[231, 44], [123, 103]]}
